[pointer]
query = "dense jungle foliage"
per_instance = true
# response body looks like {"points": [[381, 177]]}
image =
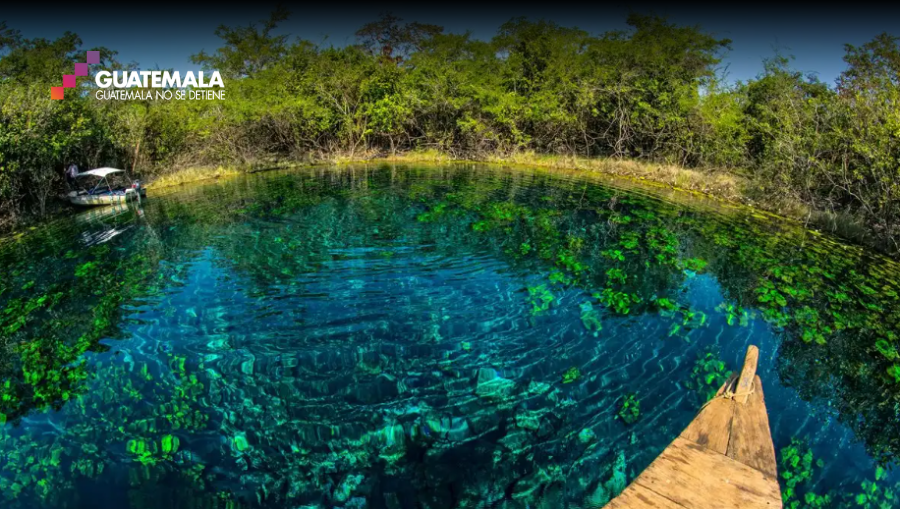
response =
{"points": [[655, 92]]}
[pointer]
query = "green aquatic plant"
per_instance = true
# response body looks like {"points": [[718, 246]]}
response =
{"points": [[149, 453], [734, 314], [240, 443], [568, 259], [894, 372], [123, 421], [693, 319], [53, 371], [707, 375], [524, 248], [436, 212], [18, 311], [557, 277], [666, 304], [620, 219], [617, 275], [571, 375], [629, 241], [613, 254], [813, 329], [776, 318], [887, 350], [629, 409], [86, 269], [769, 294], [590, 318], [619, 302], [876, 493], [31, 470], [694, 264], [797, 469], [674, 330], [180, 410], [540, 299], [663, 243]]}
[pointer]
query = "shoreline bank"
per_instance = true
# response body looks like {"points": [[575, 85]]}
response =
{"points": [[712, 184], [718, 185]]}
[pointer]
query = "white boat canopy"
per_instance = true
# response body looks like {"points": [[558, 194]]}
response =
{"points": [[100, 172]]}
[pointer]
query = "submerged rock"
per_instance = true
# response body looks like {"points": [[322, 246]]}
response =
{"points": [[247, 366], [459, 429], [483, 421], [392, 437], [392, 501], [615, 484], [538, 388], [489, 384], [586, 436], [383, 388], [447, 427], [517, 440], [356, 503], [529, 487], [529, 420], [346, 487]]}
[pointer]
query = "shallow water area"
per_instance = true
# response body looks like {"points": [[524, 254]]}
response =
{"points": [[428, 337]]}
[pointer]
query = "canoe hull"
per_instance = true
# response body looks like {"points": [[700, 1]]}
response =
{"points": [[725, 458]]}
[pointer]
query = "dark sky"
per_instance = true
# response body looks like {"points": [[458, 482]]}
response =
{"points": [[165, 34]]}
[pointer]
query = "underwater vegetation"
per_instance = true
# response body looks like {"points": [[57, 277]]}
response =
{"points": [[708, 375], [798, 466], [427, 337], [629, 409], [571, 375]]}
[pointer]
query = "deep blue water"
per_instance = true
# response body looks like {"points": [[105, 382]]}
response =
{"points": [[423, 338]]}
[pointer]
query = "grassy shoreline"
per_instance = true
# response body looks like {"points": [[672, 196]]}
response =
{"points": [[717, 185], [725, 186], [714, 184]]}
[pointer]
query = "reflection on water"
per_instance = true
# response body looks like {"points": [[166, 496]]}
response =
{"points": [[427, 337]]}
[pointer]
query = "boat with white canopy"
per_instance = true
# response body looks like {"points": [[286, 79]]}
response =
{"points": [[105, 192]]}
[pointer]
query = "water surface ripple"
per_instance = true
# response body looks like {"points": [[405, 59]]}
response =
{"points": [[428, 337]]}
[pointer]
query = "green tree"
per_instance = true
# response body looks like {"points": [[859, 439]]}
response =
{"points": [[249, 49], [394, 40]]}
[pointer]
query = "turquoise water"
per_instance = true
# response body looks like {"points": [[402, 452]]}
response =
{"points": [[427, 337]]}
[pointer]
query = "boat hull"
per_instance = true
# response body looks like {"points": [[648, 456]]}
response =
{"points": [[98, 200], [725, 458]]}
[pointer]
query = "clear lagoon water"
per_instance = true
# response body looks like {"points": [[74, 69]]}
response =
{"points": [[429, 337]]}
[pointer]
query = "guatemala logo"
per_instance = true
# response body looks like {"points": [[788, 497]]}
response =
{"points": [[169, 85], [81, 69]]}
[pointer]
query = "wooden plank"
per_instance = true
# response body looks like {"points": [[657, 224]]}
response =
{"points": [[748, 372], [697, 478], [751, 442], [638, 497], [712, 426]]}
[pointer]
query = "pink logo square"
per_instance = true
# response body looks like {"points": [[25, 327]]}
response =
{"points": [[93, 57], [81, 69], [68, 81]]}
